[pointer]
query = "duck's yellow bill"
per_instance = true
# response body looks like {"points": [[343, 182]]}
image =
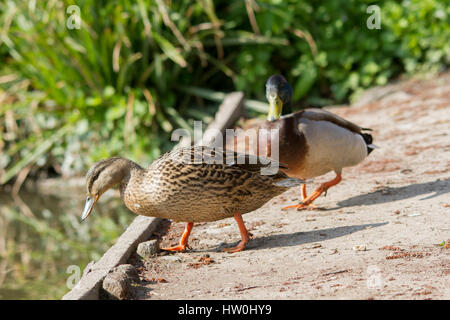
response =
{"points": [[275, 108], [88, 206]]}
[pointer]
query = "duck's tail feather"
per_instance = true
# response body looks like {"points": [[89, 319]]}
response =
{"points": [[368, 139], [289, 182]]}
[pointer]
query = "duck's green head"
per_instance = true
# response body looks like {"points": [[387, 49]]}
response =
{"points": [[279, 95]]}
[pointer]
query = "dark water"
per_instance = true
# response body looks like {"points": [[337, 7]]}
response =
{"points": [[43, 242]]}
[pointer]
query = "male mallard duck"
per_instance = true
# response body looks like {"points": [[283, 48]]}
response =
{"points": [[312, 142], [185, 185]]}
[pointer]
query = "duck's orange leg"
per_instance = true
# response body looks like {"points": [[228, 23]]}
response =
{"points": [[307, 202], [310, 206], [184, 239], [245, 235], [303, 192]]}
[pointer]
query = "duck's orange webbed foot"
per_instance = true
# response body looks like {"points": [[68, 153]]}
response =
{"points": [[178, 248], [307, 202], [245, 235], [241, 246], [302, 206], [183, 241]]}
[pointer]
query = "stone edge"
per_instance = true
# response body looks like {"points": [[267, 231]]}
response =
{"points": [[138, 231]]}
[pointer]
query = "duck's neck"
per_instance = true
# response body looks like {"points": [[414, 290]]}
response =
{"points": [[287, 108], [130, 173]]}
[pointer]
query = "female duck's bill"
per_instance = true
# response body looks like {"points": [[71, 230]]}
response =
{"points": [[88, 206]]}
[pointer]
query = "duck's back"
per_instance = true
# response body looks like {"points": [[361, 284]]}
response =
{"points": [[188, 189]]}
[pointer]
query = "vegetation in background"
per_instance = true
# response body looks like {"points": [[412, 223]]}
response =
{"points": [[137, 69], [123, 81]]}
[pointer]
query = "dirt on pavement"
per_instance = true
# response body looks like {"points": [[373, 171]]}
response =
{"points": [[382, 233]]}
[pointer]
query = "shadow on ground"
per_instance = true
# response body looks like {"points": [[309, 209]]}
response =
{"points": [[390, 194], [298, 238]]}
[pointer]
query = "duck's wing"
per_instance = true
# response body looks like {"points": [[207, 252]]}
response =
{"points": [[219, 156], [324, 115], [253, 163], [261, 165]]}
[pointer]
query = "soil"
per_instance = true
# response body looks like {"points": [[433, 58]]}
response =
{"points": [[382, 233]]}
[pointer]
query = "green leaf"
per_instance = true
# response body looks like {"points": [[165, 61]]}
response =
{"points": [[116, 112], [171, 52], [41, 148]]}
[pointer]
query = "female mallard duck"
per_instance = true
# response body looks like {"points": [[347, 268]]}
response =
{"points": [[312, 142], [183, 187]]}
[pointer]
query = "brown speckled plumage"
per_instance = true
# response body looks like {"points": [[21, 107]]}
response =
{"points": [[192, 192]]}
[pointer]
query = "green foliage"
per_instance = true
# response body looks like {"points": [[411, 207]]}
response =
{"points": [[118, 84]]}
